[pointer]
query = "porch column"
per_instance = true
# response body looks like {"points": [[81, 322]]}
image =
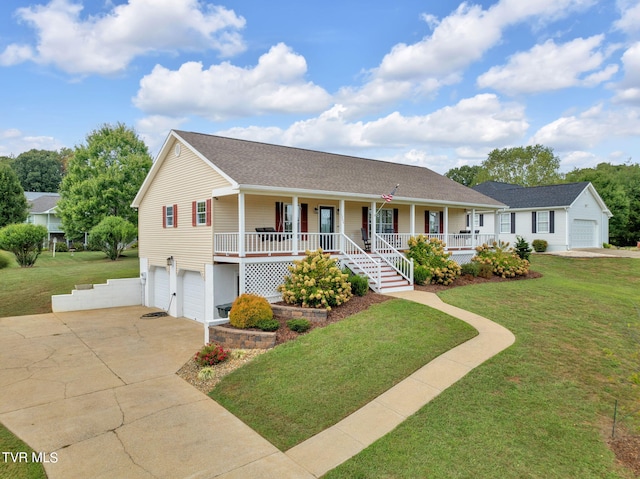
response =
{"points": [[296, 227], [445, 226], [472, 228], [341, 225], [241, 225], [372, 232], [412, 219]]}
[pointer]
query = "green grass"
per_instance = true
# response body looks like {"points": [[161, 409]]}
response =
{"points": [[302, 387], [17, 470], [543, 408], [28, 290]]}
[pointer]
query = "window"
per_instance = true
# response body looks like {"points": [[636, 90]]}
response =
{"points": [[384, 221], [201, 212], [505, 223], [542, 223], [169, 216], [434, 222]]}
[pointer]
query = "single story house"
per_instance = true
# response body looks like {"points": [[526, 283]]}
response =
{"points": [[42, 211], [567, 216], [219, 217]]}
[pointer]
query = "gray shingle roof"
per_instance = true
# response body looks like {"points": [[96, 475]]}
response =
{"points": [[44, 203], [259, 164], [517, 196]]}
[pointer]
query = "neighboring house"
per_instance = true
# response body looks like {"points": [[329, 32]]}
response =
{"points": [[42, 211], [219, 217], [567, 216]]}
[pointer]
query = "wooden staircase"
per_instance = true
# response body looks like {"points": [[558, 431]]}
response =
{"points": [[391, 280]]}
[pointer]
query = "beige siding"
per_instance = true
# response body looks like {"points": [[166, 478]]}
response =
{"points": [[180, 180]]}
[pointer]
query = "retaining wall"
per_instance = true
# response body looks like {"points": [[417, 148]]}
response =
{"points": [[115, 293]]}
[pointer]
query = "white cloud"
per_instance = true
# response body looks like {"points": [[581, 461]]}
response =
{"points": [[106, 44], [477, 121], [275, 85], [629, 21], [13, 142], [593, 126], [155, 128], [628, 90], [551, 67]]}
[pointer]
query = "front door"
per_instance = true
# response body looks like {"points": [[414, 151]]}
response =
{"points": [[326, 214]]}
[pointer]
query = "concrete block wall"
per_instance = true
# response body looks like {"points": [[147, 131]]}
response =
{"points": [[115, 293]]}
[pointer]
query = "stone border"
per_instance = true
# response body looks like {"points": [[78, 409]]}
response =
{"points": [[231, 338], [294, 312]]}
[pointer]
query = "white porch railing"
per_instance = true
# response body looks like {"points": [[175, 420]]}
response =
{"points": [[393, 257], [362, 262]]}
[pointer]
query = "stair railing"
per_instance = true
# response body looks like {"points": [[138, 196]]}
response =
{"points": [[363, 262], [393, 258]]}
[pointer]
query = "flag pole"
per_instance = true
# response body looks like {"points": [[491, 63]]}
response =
{"points": [[387, 198]]}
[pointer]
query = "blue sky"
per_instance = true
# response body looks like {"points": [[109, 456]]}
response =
{"points": [[436, 84]]}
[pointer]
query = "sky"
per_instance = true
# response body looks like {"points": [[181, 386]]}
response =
{"points": [[432, 83]]}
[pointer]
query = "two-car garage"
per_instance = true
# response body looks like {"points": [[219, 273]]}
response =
{"points": [[189, 291]]}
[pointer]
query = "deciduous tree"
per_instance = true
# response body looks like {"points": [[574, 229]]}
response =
{"points": [[465, 175], [103, 177], [524, 165], [112, 235], [13, 204], [39, 170]]}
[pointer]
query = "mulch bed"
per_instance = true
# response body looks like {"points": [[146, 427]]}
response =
{"points": [[627, 451]]}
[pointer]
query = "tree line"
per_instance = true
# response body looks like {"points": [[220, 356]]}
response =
{"points": [[97, 181], [537, 165]]}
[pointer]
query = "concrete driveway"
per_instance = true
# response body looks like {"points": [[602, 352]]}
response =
{"points": [[98, 388]]}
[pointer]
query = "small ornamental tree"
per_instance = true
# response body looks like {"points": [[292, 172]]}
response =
{"points": [[112, 235], [23, 240], [429, 254], [316, 282]]}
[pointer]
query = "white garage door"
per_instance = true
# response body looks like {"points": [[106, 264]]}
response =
{"points": [[159, 288], [193, 296], [583, 234]]}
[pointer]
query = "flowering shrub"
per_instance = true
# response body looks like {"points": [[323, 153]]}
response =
{"points": [[211, 354], [316, 282], [430, 254], [248, 309], [503, 260]]}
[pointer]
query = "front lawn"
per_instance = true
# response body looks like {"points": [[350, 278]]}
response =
{"points": [[28, 290], [300, 388], [544, 407]]}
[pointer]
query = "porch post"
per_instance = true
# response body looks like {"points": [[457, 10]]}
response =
{"points": [[372, 233], [295, 229], [412, 219], [341, 225], [445, 226], [472, 227], [241, 226]]}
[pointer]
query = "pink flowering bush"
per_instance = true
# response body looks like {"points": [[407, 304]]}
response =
{"points": [[316, 281], [211, 354], [502, 259]]}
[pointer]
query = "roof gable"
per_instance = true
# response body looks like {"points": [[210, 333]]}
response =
{"points": [[44, 203], [252, 164]]}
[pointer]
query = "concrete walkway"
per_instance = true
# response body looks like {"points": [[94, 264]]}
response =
{"points": [[99, 389]]}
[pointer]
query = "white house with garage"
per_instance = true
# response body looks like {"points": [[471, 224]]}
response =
{"points": [[567, 216], [219, 217]]}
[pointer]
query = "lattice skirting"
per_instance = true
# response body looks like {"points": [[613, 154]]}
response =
{"points": [[263, 279], [463, 257]]}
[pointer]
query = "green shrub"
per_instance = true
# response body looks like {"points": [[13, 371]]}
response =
{"points": [[522, 248], [5, 260], [421, 274], [24, 241], [268, 324], [502, 260], [430, 253], [471, 268], [211, 354], [539, 245], [485, 270], [359, 284], [206, 373], [248, 309], [299, 325], [606, 245], [61, 247], [316, 282], [112, 235]]}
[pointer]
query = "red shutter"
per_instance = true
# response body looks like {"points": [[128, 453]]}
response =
{"points": [[395, 220], [304, 220], [209, 211], [175, 216], [365, 219], [427, 216], [194, 213], [441, 223], [164, 216], [279, 222]]}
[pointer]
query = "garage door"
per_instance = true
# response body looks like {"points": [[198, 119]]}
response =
{"points": [[159, 288], [193, 296], [583, 234]]}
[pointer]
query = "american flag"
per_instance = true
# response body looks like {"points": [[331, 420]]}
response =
{"points": [[389, 197]]}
